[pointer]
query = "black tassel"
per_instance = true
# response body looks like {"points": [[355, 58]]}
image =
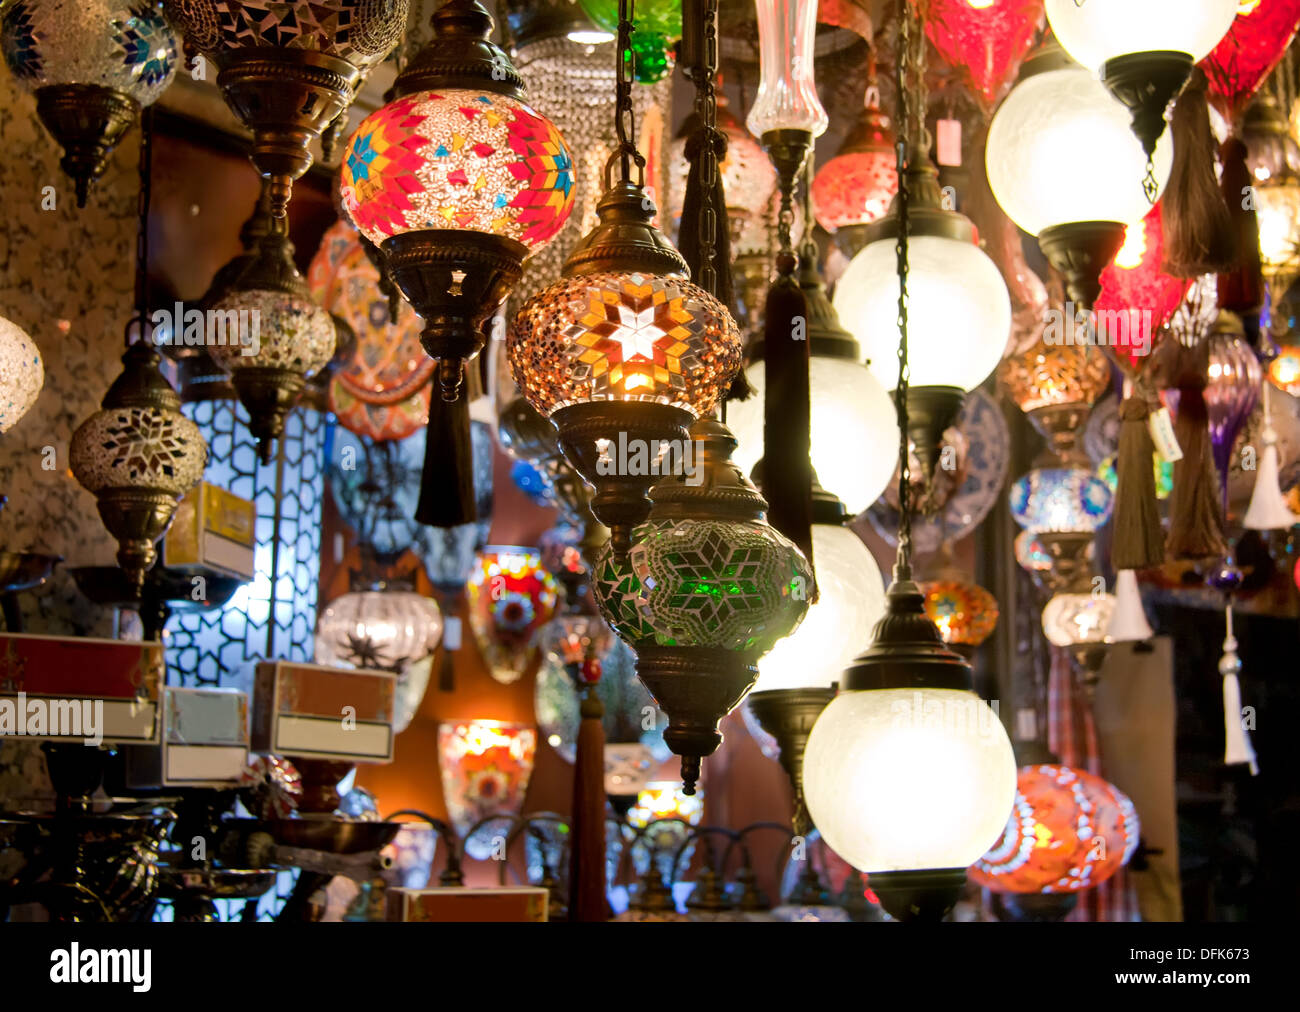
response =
{"points": [[447, 484], [1241, 289], [787, 469], [688, 235], [1198, 229]]}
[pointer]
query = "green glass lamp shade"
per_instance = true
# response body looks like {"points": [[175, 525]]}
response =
{"points": [[657, 25]]}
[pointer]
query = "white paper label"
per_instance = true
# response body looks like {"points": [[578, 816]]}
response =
{"points": [[451, 633], [1162, 434]]}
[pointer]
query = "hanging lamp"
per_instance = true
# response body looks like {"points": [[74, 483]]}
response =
{"points": [[623, 352], [949, 278], [707, 588], [289, 69], [93, 64], [456, 180], [910, 800], [139, 454], [22, 374], [1143, 52]]}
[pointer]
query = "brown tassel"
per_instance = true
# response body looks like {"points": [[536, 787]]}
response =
{"points": [[1195, 516], [447, 484], [688, 235], [787, 469], [1139, 540], [740, 390], [1198, 230], [587, 901], [1241, 289]]}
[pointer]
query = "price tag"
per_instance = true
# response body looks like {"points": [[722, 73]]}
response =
{"points": [[451, 633], [1162, 434], [948, 142]]}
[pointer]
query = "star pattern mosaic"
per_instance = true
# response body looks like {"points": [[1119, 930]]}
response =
{"points": [[704, 583], [623, 336], [458, 159], [138, 448]]}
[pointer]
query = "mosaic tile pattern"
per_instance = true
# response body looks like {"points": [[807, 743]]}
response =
{"points": [[128, 47], [705, 583], [362, 32], [623, 336], [293, 333], [22, 374], [1060, 499], [458, 159], [138, 448]]}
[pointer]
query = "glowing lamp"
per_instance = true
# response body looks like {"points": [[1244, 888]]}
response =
{"points": [[1143, 52], [965, 613], [1069, 831], [1060, 500], [22, 374], [1077, 206], [787, 95], [1072, 619], [485, 767], [856, 186], [1273, 159]]}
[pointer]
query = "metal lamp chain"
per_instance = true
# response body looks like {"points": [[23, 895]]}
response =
{"points": [[706, 107], [624, 113], [902, 65]]}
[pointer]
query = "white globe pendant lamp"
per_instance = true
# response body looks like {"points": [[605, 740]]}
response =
{"points": [[1143, 50]]}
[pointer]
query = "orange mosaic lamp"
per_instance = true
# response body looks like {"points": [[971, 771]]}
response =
{"points": [[623, 353], [456, 181], [1056, 386], [965, 612], [1069, 831]]}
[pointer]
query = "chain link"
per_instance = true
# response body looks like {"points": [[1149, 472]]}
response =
{"points": [[706, 107], [903, 64], [625, 153]]}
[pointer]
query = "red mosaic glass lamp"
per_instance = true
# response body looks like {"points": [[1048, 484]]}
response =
{"points": [[856, 186], [1253, 47], [986, 39], [456, 181]]}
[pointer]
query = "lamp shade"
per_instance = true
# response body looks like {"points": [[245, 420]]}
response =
{"points": [[1061, 150], [854, 428], [623, 336], [904, 779], [1060, 499], [1128, 620], [384, 630], [1071, 619], [1100, 30], [458, 159], [856, 186], [128, 47], [959, 314], [485, 767], [851, 599], [965, 613], [1069, 831], [511, 596], [1052, 375], [22, 374], [787, 95]]}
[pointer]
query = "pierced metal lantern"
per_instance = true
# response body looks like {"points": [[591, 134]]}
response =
{"points": [[707, 588], [288, 69], [92, 65], [139, 455]]}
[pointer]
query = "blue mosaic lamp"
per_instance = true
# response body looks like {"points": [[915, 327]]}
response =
{"points": [[1060, 500], [93, 64]]}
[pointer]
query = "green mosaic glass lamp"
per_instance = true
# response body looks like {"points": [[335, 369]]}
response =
{"points": [[706, 589]]}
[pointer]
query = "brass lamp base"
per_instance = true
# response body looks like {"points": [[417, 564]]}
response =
{"points": [[931, 411], [788, 150], [1071, 553], [455, 280], [1034, 908], [286, 97], [696, 687], [1145, 84], [788, 715], [268, 395], [1081, 250], [919, 897], [136, 518], [1060, 425], [88, 121], [593, 435]]}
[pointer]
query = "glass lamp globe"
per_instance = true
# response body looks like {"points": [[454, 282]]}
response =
{"points": [[1060, 499], [851, 599], [1070, 830], [656, 25], [1273, 159], [1100, 30], [1060, 150], [854, 428], [1071, 619], [22, 373], [965, 613], [959, 313], [92, 64], [385, 630], [787, 95], [856, 186], [907, 779], [458, 159]]}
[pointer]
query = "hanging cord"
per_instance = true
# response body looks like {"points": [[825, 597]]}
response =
{"points": [[625, 153], [706, 107], [142, 291]]}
